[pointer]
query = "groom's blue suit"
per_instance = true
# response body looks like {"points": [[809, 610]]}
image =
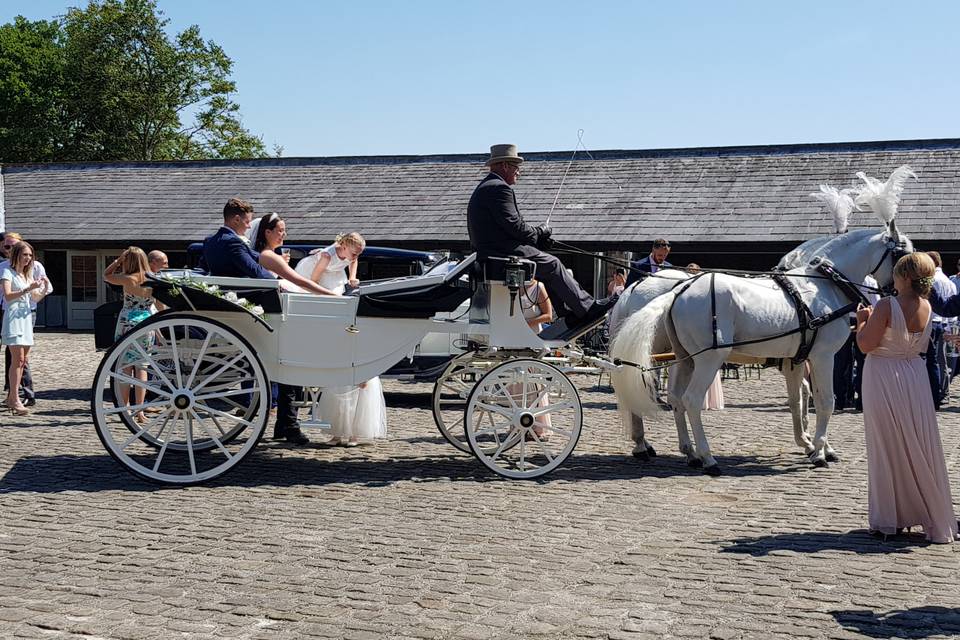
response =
{"points": [[226, 254]]}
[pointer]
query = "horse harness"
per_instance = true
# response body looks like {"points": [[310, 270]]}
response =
{"points": [[808, 324]]}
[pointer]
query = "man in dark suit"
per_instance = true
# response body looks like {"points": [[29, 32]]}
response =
{"points": [[652, 263], [497, 229], [227, 254]]}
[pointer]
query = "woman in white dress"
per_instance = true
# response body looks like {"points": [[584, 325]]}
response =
{"points": [[17, 332], [270, 234], [537, 309], [329, 266]]}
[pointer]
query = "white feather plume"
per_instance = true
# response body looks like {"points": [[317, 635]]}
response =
{"points": [[883, 198], [839, 202]]}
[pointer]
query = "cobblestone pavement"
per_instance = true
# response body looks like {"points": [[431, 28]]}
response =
{"points": [[409, 538]]}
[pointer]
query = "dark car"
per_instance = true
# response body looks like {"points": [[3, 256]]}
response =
{"points": [[375, 263]]}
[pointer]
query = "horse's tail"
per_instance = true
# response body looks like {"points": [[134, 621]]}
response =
{"points": [[636, 388]]}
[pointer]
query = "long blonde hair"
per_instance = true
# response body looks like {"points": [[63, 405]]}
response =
{"points": [[15, 254], [352, 239], [135, 262]]}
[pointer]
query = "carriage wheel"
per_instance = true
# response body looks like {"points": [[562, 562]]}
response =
{"points": [[206, 391], [188, 348], [510, 405], [450, 394]]}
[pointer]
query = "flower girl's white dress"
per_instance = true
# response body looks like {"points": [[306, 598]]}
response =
{"points": [[355, 413]]}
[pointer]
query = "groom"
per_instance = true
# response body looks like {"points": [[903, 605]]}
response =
{"points": [[227, 254]]}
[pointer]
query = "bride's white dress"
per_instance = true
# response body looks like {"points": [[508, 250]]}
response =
{"points": [[355, 412], [334, 277]]}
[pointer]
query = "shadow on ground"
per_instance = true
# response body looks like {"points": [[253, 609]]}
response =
{"points": [[919, 622], [857, 541], [278, 465]]}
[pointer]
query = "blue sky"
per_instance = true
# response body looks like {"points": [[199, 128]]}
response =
{"points": [[326, 78]]}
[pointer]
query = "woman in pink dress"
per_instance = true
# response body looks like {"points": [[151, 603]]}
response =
{"points": [[908, 483]]}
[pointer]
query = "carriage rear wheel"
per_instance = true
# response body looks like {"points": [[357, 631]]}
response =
{"points": [[523, 419], [206, 404], [450, 394]]}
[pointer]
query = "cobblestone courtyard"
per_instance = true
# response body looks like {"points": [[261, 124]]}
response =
{"points": [[410, 538]]}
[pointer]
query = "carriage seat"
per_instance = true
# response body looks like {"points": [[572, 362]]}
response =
{"points": [[495, 268], [437, 291]]}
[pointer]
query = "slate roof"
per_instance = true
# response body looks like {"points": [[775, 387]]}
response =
{"points": [[724, 194]]}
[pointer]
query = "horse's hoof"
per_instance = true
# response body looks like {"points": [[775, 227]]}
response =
{"points": [[712, 470], [821, 463], [832, 457], [651, 452], [695, 463], [641, 455]]}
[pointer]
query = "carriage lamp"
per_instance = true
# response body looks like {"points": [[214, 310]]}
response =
{"points": [[513, 277]]}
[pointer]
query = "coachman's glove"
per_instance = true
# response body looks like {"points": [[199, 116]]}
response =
{"points": [[544, 239]]}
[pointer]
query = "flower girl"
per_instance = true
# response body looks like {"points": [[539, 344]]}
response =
{"points": [[328, 267]]}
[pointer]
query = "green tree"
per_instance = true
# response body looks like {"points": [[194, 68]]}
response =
{"points": [[31, 81], [126, 90]]}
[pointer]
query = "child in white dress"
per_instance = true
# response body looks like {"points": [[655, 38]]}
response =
{"points": [[355, 413], [328, 267]]}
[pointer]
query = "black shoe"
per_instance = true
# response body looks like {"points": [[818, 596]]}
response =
{"points": [[296, 436], [30, 402]]}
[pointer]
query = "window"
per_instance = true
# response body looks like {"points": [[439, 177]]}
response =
{"points": [[84, 275]]}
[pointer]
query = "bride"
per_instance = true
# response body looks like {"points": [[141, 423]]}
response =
{"points": [[271, 230]]}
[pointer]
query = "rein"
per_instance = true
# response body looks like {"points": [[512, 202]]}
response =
{"points": [[568, 248]]}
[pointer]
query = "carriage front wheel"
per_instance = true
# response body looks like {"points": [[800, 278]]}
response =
{"points": [[205, 399], [450, 394], [523, 419]]}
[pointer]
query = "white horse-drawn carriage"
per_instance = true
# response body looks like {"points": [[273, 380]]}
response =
{"points": [[206, 364], [206, 367]]}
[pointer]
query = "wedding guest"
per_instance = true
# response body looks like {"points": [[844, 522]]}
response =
{"points": [[226, 253], [870, 291], [617, 282], [907, 473], [129, 271], [652, 263], [537, 309], [17, 329], [271, 232], [335, 266], [39, 273], [157, 261], [936, 356]]}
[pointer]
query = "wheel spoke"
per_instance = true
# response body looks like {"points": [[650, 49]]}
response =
{"points": [[144, 429], [133, 408], [199, 358], [188, 427], [176, 356], [153, 364], [223, 394], [216, 440], [223, 414], [212, 376], [552, 407], [503, 392], [121, 377], [163, 450], [507, 413]]}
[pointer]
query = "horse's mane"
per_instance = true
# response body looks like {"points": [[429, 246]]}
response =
{"points": [[843, 242]]}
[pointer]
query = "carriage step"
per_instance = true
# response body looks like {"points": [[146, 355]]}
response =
{"points": [[560, 331], [315, 424]]}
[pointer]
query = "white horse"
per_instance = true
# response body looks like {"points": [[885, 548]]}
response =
{"points": [[746, 309], [642, 293]]}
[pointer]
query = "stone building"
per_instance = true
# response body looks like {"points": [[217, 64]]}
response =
{"points": [[737, 207]]}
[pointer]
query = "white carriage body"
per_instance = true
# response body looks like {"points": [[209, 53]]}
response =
{"points": [[325, 341]]}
